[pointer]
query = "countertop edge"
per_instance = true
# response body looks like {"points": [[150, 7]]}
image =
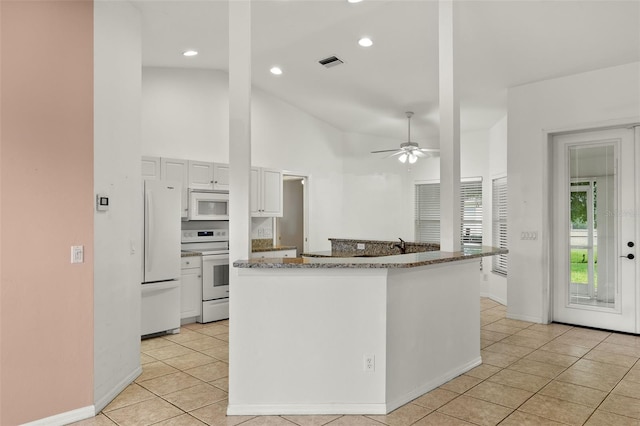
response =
{"points": [[411, 260]]}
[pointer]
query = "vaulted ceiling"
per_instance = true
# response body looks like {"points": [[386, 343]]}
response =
{"points": [[501, 44]]}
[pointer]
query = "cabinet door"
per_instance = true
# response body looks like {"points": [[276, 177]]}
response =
{"points": [[190, 293], [150, 167], [221, 176], [200, 175], [254, 201], [177, 171], [271, 192]]}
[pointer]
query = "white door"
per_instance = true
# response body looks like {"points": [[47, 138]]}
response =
{"points": [[177, 171], [200, 175], [594, 230], [161, 231]]}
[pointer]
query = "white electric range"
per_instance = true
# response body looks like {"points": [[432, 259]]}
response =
{"points": [[213, 244]]}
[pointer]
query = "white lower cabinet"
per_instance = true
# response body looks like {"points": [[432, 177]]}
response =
{"points": [[191, 287], [274, 253]]}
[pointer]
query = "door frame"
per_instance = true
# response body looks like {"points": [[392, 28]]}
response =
{"points": [[548, 207], [306, 177]]}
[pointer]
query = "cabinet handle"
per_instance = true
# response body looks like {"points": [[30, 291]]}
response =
{"points": [[215, 182], [199, 276]]}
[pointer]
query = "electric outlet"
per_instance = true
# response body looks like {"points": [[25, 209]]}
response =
{"points": [[360, 246], [369, 363], [77, 254]]}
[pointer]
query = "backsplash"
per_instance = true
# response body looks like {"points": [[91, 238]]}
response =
{"points": [[261, 244], [377, 248]]}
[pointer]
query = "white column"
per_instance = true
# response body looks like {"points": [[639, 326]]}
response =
{"points": [[239, 164], [449, 132], [239, 127]]}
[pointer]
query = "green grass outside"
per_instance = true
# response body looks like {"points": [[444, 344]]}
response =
{"points": [[579, 266]]}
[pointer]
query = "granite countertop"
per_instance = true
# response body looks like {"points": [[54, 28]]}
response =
{"points": [[410, 260], [272, 248], [190, 253]]}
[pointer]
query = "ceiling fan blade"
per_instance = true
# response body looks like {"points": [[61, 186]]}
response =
{"points": [[399, 152], [384, 150], [422, 154], [429, 149]]}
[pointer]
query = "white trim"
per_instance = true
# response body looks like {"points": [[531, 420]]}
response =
{"points": [[308, 409], [410, 396], [527, 318], [119, 387], [497, 299], [65, 418]]}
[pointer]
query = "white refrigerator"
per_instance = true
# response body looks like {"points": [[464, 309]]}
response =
{"points": [[160, 289]]}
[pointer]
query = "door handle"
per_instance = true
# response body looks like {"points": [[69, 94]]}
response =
{"points": [[629, 256]]}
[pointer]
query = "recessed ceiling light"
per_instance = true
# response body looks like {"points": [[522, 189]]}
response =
{"points": [[365, 42], [190, 52], [354, 1], [276, 71]]}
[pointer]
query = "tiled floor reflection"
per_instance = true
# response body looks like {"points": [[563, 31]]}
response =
{"points": [[531, 374]]}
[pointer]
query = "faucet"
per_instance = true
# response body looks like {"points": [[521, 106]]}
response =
{"points": [[401, 245]]}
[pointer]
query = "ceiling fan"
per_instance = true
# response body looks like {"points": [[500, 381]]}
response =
{"points": [[410, 150]]}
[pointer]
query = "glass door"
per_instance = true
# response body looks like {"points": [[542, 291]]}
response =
{"points": [[594, 281]]}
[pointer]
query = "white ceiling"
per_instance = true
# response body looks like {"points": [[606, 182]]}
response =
{"points": [[502, 44]]}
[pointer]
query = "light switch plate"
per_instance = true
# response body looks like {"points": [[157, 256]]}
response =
{"points": [[77, 254]]}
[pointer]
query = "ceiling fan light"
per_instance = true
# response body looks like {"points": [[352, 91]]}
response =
{"points": [[412, 158], [403, 157]]}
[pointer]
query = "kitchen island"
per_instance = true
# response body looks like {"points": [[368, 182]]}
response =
{"points": [[351, 335]]}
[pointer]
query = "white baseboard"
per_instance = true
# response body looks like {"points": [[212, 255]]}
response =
{"points": [[527, 318], [303, 409], [410, 396], [119, 387], [498, 299], [65, 418]]}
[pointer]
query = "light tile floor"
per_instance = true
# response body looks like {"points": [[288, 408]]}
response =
{"points": [[531, 374]]}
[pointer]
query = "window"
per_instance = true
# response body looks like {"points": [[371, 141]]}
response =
{"points": [[471, 213], [427, 213], [499, 222]]}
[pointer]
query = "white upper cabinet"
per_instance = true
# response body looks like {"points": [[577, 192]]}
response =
{"points": [[177, 171], [150, 167], [200, 175], [221, 176], [266, 192]]}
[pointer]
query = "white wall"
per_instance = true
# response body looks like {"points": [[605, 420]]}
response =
{"points": [[117, 44], [185, 114], [378, 198], [494, 285], [586, 100]]}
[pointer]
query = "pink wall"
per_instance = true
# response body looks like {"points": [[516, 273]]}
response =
{"points": [[46, 206]]}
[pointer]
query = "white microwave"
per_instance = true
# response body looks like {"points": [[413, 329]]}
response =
{"points": [[208, 205]]}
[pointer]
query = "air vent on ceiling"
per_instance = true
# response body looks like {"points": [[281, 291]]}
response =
{"points": [[331, 61]]}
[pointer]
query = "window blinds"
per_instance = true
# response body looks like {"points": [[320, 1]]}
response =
{"points": [[499, 222], [471, 213], [427, 212]]}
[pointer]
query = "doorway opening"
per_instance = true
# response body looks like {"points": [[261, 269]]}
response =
{"points": [[292, 227]]}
